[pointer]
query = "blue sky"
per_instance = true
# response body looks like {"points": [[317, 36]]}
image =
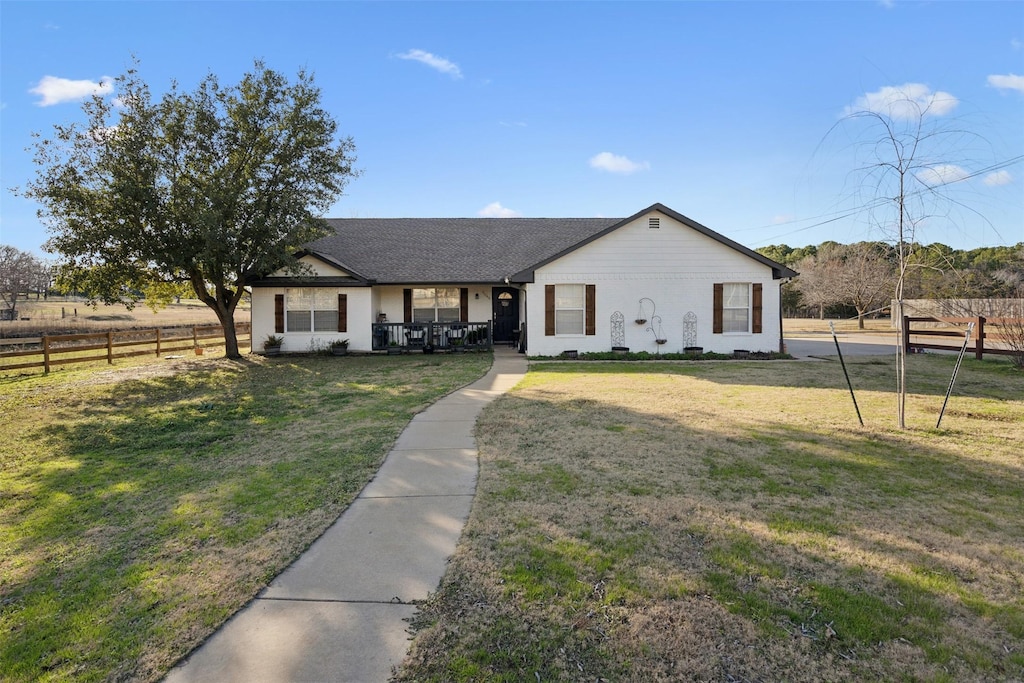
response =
{"points": [[730, 113]]}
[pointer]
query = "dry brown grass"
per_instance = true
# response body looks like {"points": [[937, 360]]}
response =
{"points": [[797, 326], [47, 316], [732, 522]]}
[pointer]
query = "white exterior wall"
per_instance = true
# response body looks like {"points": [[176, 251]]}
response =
{"points": [[676, 267], [364, 305], [360, 315]]}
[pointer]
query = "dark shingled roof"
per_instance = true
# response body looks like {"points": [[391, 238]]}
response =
{"points": [[436, 250], [474, 250]]}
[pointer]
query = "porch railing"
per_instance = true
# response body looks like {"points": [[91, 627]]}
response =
{"points": [[437, 336]]}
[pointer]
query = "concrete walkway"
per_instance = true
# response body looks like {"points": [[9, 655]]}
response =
{"points": [[340, 612]]}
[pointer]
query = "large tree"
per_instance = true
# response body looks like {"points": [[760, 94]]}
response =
{"points": [[859, 275], [214, 187]]}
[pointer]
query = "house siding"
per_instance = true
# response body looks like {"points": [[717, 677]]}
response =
{"points": [[674, 266]]}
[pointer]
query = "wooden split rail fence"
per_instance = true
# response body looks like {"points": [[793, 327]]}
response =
{"points": [[62, 349], [989, 336]]}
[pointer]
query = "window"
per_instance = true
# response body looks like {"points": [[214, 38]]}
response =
{"points": [[569, 309], [436, 304], [736, 307], [311, 310]]}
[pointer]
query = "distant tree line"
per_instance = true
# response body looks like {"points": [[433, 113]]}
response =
{"points": [[21, 273], [846, 280]]}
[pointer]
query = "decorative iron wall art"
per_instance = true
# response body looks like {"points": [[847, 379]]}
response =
{"points": [[690, 330], [618, 329]]}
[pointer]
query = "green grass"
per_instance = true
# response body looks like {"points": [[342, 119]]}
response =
{"points": [[733, 521], [136, 515]]}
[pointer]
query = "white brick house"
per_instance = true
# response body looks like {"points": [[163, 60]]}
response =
{"points": [[550, 284]]}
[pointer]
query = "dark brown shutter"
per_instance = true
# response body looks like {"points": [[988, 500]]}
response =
{"points": [[716, 316], [756, 315], [343, 313], [549, 310], [464, 305], [407, 312], [591, 312], [279, 313]]}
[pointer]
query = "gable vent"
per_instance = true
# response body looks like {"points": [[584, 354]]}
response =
{"points": [[653, 223]]}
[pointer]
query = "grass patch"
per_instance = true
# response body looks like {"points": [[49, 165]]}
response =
{"points": [[734, 522], [136, 515]]}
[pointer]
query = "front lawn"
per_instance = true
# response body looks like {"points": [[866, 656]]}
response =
{"points": [[733, 522], [137, 514]]}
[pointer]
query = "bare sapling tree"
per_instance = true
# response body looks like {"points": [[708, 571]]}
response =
{"points": [[214, 187], [907, 154]]}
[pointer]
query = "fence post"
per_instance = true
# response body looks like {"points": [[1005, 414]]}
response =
{"points": [[46, 355], [906, 334], [195, 337], [158, 342], [110, 347], [979, 343]]}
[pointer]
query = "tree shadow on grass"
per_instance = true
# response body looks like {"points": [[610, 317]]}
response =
{"points": [[152, 509]]}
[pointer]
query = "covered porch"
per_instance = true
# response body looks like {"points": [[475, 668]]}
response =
{"points": [[433, 336]]}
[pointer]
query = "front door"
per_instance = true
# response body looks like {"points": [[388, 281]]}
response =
{"points": [[505, 304]]}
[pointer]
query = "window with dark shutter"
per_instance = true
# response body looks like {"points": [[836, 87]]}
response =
{"points": [[549, 310], [343, 313], [464, 305], [591, 327], [716, 316], [279, 313], [756, 304]]}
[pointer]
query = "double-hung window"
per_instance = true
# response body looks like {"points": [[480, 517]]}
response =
{"points": [[736, 307], [436, 304], [570, 309], [570, 306], [310, 309]]}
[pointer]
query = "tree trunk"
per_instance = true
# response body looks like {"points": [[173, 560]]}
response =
{"points": [[860, 320], [230, 338], [223, 304]]}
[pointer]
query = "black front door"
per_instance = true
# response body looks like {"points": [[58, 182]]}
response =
{"points": [[505, 304]]}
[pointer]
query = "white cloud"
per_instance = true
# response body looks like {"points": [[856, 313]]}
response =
{"points": [[613, 163], [942, 174], [1007, 82], [441, 64], [783, 218], [54, 90], [496, 210], [907, 101], [998, 178]]}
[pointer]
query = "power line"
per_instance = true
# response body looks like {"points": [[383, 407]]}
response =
{"points": [[832, 218]]}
